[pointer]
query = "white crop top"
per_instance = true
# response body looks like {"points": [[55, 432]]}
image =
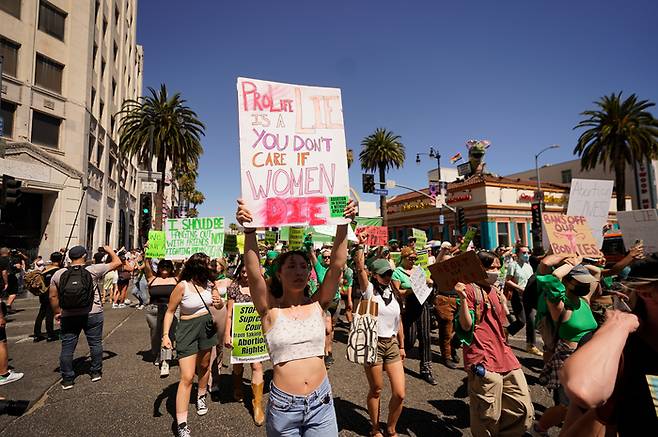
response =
{"points": [[290, 339], [191, 304], [388, 317]]}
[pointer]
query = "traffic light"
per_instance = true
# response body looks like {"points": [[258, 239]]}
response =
{"points": [[461, 219], [536, 219], [11, 191], [368, 183], [145, 214]]}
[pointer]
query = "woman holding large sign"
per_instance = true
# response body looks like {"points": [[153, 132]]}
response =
{"points": [[293, 324]]}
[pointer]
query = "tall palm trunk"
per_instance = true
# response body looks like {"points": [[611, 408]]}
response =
{"points": [[382, 198], [620, 183], [159, 196]]}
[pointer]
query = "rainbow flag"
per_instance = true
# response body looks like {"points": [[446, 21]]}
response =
{"points": [[456, 158]]}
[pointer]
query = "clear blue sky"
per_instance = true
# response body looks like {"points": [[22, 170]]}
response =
{"points": [[515, 72]]}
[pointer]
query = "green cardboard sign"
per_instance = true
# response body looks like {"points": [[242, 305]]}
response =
{"points": [[270, 238], [248, 341], [337, 206], [157, 244], [296, 238], [188, 236], [470, 234], [231, 243], [421, 238], [396, 256], [422, 260]]}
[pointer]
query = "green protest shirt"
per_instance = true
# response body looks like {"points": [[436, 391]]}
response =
{"points": [[321, 271], [401, 276]]}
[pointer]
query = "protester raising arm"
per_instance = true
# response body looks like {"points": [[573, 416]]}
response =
{"points": [[257, 284], [327, 290], [360, 264], [589, 374], [465, 319]]}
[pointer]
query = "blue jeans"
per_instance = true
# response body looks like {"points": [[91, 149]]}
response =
{"points": [[92, 325], [308, 416]]}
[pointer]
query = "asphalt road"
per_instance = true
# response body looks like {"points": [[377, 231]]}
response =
{"points": [[132, 399]]}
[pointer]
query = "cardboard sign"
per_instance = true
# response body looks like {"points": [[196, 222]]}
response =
{"points": [[396, 257], [422, 261], [590, 198], [270, 238], [465, 268], [419, 284], [377, 235], [569, 235], [292, 153], [421, 238], [641, 224], [188, 236], [248, 341], [157, 244], [652, 380], [295, 238]]}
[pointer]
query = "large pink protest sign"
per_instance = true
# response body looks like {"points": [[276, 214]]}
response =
{"points": [[292, 153]]}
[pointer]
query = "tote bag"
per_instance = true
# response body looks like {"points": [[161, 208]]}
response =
{"points": [[362, 338]]}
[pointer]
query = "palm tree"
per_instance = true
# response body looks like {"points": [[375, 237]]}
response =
{"points": [[619, 132], [196, 198], [350, 157], [382, 150], [192, 213], [161, 127]]}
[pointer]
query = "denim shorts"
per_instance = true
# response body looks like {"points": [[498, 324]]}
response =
{"points": [[311, 416]]}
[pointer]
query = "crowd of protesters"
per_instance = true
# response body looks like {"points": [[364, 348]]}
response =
{"points": [[593, 324]]}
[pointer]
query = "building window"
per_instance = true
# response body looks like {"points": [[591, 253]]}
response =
{"points": [[112, 122], [566, 176], [51, 20], [116, 53], [521, 233], [110, 170], [102, 67], [114, 90], [9, 51], [503, 234], [12, 7], [99, 153], [92, 140], [116, 17], [48, 74], [101, 109], [91, 227], [93, 97], [45, 129], [7, 111], [104, 26], [108, 232]]}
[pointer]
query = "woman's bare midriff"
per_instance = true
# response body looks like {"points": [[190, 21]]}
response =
{"points": [[300, 377]]}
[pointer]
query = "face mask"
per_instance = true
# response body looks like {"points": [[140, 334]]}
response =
{"points": [[492, 277], [525, 257]]}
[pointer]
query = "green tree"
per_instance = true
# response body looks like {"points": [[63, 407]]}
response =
{"points": [[350, 157], [196, 198], [619, 132], [164, 128], [382, 150], [192, 213]]}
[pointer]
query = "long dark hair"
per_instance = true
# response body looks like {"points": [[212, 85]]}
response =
{"points": [[197, 269], [487, 258], [166, 264], [276, 287]]}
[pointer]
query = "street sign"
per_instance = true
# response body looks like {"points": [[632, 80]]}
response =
{"points": [[464, 169], [380, 192], [149, 187]]}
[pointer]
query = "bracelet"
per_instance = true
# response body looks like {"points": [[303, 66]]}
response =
{"points": [[249, 232]]}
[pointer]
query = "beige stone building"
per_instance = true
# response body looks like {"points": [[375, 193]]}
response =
{"points": [[68, 66], [640, 178]]}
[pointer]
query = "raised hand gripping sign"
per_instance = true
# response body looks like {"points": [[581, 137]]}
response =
{"points": [[292, 153]]}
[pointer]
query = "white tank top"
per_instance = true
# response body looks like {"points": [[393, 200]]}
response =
{"points": [[191, 304], [290, 339]]}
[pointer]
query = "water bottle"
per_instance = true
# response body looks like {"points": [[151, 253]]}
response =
{"points": [[478, 370]]}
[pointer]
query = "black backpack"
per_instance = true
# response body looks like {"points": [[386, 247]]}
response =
{"points": [[76, 288]]}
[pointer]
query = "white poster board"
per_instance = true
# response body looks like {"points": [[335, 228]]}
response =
{"points": [[641, 224], [293, 157], [590, 198], [419, 284], [187, 236]]}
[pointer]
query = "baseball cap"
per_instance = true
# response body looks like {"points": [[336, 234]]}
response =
{"points": [[381, 266], [446, 245], [581, 274], [77, 252], [392, 241]]}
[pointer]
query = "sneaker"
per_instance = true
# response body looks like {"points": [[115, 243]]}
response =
{"points": [[534, 350], [67, 384], [184, 430], [10, 377], [121, 305], [52, 338], [428, 378], [38, 338], [328, 361], [451, 364], [201, 406], [96, 377], [164, 369], [140, 307], [115, 306], [127, 301]]}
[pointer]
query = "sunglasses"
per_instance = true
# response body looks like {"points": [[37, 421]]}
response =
{"points": [[412, 258], [326, 257]]}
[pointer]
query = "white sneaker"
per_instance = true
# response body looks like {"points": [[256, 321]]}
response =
{"points": [[140, 307], [127, 301], [164, 368], [121, 305], [114, 306], [184, 430], [12, 377], [201, 406]]}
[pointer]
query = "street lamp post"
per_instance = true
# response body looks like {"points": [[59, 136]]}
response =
{"points": [[539, 197], [434, 153]]}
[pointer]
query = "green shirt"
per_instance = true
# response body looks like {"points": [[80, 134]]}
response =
{"points": [[400, 275]]}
